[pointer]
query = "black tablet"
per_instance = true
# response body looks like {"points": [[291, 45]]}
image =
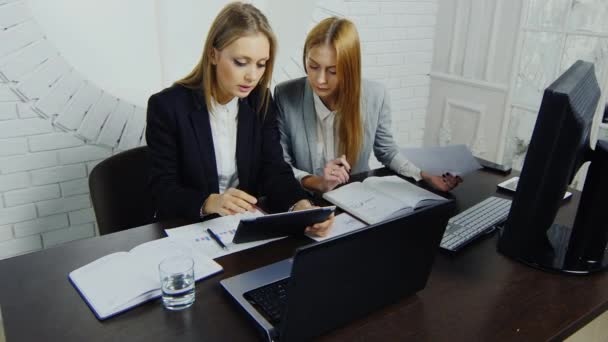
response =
{"points": [[282, 224]]}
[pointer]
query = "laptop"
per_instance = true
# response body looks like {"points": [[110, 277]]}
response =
{"points": [[328, 284]]}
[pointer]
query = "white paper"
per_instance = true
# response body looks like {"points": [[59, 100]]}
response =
{"points": [[364, 202], [121, 280], [379, 198], [344, 223], [437, 160], [224, 227]]}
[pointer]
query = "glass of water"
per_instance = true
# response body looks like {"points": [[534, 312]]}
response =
{"points": [[177, 282]]}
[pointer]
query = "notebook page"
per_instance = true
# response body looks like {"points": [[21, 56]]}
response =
{"points": [[363, 202], [401, 190], [109, 282]]}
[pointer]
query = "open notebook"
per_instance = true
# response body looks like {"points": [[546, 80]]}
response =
{"points": [[379, 198], [119, 281]]}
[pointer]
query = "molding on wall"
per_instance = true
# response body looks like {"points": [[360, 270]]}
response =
{"points": [[506, 119], [470, 82], [491, 53], [478, 110], [457, 35]]}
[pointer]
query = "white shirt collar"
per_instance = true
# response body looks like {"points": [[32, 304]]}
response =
{"points": [[322, 111], [231, 108]]}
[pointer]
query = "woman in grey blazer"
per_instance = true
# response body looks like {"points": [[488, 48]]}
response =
{"points": [[330, 120]]}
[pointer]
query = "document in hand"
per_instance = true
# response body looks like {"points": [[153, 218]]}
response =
{"points": [[120, 281], [379, 198], [436, 160]]}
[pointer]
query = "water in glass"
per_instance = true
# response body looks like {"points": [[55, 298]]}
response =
{"points": [[177, 282]]}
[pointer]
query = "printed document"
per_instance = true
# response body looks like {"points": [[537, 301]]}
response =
{"points": [[224, 227]]}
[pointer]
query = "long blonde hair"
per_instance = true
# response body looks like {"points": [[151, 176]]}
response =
{"points": [[234, 21], [342, 35]]}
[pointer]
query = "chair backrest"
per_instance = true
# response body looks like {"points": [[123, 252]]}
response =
{"points": [[119, 191]]}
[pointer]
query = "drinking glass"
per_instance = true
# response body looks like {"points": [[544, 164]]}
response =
{"points": [[177, 282]]}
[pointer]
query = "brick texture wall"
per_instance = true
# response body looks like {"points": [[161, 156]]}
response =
{"points": [[44, 196]]}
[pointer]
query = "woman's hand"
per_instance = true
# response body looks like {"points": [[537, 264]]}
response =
{"points": [[445, 182], [335, 172], [318, 229], [232, 201]]}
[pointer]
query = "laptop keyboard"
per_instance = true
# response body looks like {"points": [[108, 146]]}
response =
{"points": [[270, 299]]}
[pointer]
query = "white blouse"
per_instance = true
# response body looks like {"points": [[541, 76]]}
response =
{"points": [[223, 120], [326, 134]]}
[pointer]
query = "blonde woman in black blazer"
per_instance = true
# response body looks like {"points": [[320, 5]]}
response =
{"points": [[231, 79]]}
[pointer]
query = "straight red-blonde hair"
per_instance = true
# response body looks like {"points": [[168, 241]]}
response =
{"points": [[341, 34], [234, 21]]}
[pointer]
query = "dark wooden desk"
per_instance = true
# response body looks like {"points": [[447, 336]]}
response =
{"points": [[477, 294]]}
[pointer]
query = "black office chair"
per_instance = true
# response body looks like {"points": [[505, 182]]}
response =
{"points": [[119, 191]]}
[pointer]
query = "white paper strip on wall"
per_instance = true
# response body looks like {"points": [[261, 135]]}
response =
{"points": [[131, 136], [39, 82], [143, 138], [71, 116], [3, 2], [59, 96], [96, 116], [8, 110], [6, 94], [113, 127], [13, 14], [16, 65], [19, 36]]}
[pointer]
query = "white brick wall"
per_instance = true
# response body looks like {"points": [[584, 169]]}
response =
{"points": [[397, 46], [30, 161], [53, 141], [68, 234], [75, 187], [13, 146], [17, 214], [41, 225], [63, 205], [44, 170], [58, 174], [14, 181], [82, 216], [19, 246], [6, 232], [30, 195]]}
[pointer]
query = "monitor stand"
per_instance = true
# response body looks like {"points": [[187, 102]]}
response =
{"points": [[582, 248]]}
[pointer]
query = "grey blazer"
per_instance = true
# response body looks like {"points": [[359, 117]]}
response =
{"points": [[298, 128]]}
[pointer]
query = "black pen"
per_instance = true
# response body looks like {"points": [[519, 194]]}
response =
{"points": [[217, 239]]}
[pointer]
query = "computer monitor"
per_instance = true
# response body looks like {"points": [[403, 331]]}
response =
{"points": [[560, 144]]}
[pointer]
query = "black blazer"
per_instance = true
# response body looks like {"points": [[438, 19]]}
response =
{"points": [[183, 171]]}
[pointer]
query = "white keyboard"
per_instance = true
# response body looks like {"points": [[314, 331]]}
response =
{"points": [[475, 221]]}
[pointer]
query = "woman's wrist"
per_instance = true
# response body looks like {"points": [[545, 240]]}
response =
{"points": [[313, 183], [207, 205], [302, 204]]}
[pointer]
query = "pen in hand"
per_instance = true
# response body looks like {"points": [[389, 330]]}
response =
{"points": [[217, 239]]}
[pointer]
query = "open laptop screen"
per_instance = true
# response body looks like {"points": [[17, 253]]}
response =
{"points": [[338, 280]]}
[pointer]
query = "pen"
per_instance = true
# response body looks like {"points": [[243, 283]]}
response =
{"points": [[217, 239]]}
